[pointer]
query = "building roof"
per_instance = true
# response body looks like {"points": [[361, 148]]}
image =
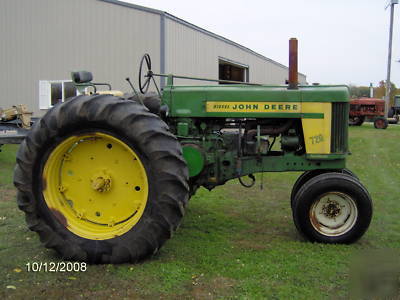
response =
{"points": [[194, 27]]}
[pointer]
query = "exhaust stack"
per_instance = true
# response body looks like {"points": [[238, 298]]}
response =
{"points": [[371, 90], [293, 73]]}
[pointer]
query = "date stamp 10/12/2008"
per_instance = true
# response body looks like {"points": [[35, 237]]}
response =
{"points": [[60, 266]]}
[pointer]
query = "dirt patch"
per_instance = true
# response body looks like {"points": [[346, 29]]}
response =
{"points": [[71, 287], [97, 287], [261, 234], [7, 194], [250, 244], [212, 289]]}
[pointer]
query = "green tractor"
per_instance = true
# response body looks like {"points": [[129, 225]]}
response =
{"points": [[106, 177]]}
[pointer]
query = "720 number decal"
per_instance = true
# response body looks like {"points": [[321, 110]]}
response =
{"points": [[317, 139]]}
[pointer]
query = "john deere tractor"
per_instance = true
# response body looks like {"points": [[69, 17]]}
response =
{"points": [[105, 177]]}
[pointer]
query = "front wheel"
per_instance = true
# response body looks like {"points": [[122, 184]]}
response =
{"points": [[391, 112], [332, 208], [102, 180], [381, 123], [306, 176]]}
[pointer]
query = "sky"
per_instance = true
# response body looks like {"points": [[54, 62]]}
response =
{"points": [[340, 41]]}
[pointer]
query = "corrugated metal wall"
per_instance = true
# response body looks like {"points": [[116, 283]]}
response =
{"points": [[194, 53], [46, 39]]}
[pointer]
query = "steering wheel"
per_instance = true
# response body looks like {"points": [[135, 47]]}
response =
{"points": [[145, 77]]}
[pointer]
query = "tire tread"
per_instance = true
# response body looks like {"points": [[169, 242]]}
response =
{"points": [[134, 121]]}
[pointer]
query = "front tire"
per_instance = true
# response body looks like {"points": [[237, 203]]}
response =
{"points": [[332, 208], [101, 180], [391, 112], [306, 176], [381, 123]]}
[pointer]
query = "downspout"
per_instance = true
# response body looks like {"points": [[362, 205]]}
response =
{"points": [[162, 49]]}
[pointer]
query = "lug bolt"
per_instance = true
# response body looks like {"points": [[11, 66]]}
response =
{"points": [[62, 188]]}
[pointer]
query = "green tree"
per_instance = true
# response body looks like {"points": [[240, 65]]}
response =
{"points": [[379, 91], [359, 91]]}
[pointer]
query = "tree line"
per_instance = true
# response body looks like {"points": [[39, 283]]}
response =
{"points": [[379, 91]]}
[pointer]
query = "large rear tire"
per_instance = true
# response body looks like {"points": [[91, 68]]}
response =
{"points": [[356, 121], [102, 180], [332, 208]]}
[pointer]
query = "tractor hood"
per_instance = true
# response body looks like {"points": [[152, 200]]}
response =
{"points": [[247, 100]]}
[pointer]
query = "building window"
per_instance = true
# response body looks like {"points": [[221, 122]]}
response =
{"points": [[52, 92], [233, 71]]}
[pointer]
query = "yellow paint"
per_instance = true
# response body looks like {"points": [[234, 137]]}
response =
{"points": [[259, 107], [97, 183], [109, 92], [317, 132], [112, 92]]}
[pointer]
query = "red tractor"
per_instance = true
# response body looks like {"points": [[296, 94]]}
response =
{"points": [[368, 108]]}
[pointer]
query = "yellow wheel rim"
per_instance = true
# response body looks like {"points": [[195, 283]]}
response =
{"points": [[95, 185]]}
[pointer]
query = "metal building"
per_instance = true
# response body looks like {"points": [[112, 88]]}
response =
{"points": [[42, 41]]}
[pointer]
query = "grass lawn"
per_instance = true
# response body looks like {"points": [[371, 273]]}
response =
{"points": [[233, 242]]}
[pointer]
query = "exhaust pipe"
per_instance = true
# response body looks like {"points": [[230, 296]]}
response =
{"points": [[371, 90], [293, 73]]}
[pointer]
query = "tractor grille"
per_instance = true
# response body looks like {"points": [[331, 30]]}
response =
{"points": [[340, 120]]}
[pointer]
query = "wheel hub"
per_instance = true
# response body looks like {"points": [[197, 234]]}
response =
{"points": [[331, 209], [101, 182], [333, 214]]}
